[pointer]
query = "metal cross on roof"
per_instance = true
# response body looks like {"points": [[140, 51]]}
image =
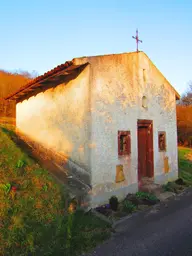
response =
{"points": [[137, 39]]}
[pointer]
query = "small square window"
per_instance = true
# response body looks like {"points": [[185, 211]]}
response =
{"points": [[162, 141], [124, 143]]}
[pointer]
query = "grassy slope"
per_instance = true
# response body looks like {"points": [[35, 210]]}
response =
{"points": [[32, 219], [185, 166]]}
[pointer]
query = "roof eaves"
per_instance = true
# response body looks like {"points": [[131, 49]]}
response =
{"points": [[40, 78]]}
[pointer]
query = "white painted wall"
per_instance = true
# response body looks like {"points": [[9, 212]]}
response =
{"points": [[59, 118], [118, 85], [81, 119]]}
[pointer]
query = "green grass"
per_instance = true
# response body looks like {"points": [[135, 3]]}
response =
{"points": [[129, 207], [185, 165], [145, 195], [33, 219], [185, 171]]}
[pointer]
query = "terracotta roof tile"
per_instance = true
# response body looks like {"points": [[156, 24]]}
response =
{"points": [[45, 75]]}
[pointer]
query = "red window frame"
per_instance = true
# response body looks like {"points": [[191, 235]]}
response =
{"points": [[125, 138], [162, 141]]}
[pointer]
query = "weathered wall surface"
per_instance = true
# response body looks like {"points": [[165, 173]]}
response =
{"points": [[165, 120], [7, 112], [59, 119], [81, 119], [118, 84]]}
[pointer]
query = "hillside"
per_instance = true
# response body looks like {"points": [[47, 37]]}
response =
{"points": [[33, 214], [184, 119], [10, 82], [184, 125], [185, 164]]}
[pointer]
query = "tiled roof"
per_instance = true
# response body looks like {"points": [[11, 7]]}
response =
{"points": [[40, 78]]}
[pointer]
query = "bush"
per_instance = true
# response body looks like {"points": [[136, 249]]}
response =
{"points": [[128, 206], [174, 187], [147, 196], [113, 201]]}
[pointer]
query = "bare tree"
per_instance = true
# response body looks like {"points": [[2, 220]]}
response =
{"points": [[184, 118], [186, 99]]}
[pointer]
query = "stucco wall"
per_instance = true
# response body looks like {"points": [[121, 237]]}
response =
{"points": [[59, 118], [81, 119], [118, 84]]}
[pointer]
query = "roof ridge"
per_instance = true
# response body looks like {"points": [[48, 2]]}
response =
{"points": [[104, 55]]}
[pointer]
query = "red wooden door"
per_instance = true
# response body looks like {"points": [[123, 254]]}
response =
{"points": [[142, 152], [145, 149]]}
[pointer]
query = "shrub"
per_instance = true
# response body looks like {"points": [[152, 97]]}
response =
{"points": [[113, 201], [147, 196], [128, 206]]}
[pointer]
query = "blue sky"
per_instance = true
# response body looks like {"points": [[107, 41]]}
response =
{"points": [[41, 34]]}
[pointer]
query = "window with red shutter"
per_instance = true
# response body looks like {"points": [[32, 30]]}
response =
{"points": [[162, 141], [124, 143]]}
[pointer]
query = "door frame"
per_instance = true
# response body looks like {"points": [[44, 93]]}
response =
{"points": [[150, 151]]}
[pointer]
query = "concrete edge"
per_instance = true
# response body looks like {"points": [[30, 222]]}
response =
{"points": [[124, 219], [101, 216]]}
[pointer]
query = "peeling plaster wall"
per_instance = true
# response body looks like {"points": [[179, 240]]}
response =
{"points": [[59, 118], [118, 84], [81, 119]]}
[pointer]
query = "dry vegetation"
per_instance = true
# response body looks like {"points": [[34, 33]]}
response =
{"points": [[10, 82], [184, 119]]}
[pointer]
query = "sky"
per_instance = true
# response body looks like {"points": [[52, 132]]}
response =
{"points": [[41, 34]]}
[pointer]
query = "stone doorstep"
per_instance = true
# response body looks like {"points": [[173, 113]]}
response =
{"points": [[151, 187], [165, 195]]}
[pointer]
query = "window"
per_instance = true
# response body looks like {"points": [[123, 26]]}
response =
{"points": [[124, 143], [162, 141], [144, 102], [144, 76]]}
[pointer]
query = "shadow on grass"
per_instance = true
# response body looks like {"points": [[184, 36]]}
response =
{"points": [[33, 216]]}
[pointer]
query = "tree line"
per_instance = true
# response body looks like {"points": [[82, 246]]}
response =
{"points": [[184, 118], [10, 82]]}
